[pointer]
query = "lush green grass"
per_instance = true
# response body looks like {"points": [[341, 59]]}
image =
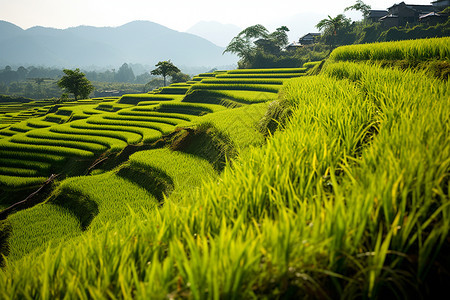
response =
{"points": [[8, 182], [244, 87], [311, 64], [136, 98], [44, 148], [435, 48], [259, 75], [267, 71], [71, 129], [242, 81], [228, 98]]}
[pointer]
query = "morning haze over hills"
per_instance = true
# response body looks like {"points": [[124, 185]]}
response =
{"points": [[141, 42]]}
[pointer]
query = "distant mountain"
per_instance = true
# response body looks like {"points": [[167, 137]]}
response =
{"points": [[140, 42], [218, 33]]}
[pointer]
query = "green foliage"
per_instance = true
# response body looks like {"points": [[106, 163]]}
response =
{"points": [[180, 77], [256, 41], [76, 83], [125, 74], [165, 68], [417, 32], [5, 231], [360, 6], [335, 30], [5, 98], [437, 48]]}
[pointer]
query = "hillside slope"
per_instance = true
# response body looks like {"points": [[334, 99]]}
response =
{"points": [[348, 199]]}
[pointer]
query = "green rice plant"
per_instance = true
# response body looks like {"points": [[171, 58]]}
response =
{"points": [[240, 126], [136, 98], [51, 224], [349, 200], [181, 84], [22, 172], [174, 90], [196, 109], [311, 64], [243, 81], [8, 182], [142, 117], [39, 123], [150, 112], [245, 87], [37, 157], [91, 111], [44, 149], [108, 191], [416, 50], [7, 132], [21, 127], [53, 118], [161, 127], [206, 75], [187, 171], [22, 163], [113, 144], [127, 137], [41, 141], [228, 98], [112, 107], [261, 75], [134, 134], [62, 111], [267, 71]]}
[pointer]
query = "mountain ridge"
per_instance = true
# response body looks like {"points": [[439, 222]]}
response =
{"points": [[143, 42]]}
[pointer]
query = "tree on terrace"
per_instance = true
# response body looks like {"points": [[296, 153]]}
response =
{"points": [[76, 83], [165, 68], [333, 28], [257, 38]]}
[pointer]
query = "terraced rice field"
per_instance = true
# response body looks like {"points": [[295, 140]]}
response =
{"points": [[225, 187], [82, 131]]}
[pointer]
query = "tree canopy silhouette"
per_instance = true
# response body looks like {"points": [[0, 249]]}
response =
{"points": [[75, 82], [165, 68]]}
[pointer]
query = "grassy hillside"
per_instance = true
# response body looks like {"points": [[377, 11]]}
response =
{"points": [[188, 192]]}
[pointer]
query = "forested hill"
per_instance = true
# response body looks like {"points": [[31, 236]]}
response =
{"points": [[138, 42]]}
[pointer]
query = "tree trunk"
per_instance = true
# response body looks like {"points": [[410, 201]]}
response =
{"points": [[164, 80]]}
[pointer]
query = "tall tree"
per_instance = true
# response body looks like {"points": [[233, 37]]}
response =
{"points": [[332, 24], [333, 29], [125, 74], [360, 6], [243, 44], [165, 68], [76, 83], [246, 43], [280, 37]]}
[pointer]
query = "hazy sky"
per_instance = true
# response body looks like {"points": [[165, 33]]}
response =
{"points": [[179, 14]]}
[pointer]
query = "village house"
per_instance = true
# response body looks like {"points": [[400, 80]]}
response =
{"points": [[293, 46], [375, 15], [433, 18], [402, 14]]}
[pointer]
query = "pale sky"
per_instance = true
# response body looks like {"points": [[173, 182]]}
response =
{"points": [[176, 14]]}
